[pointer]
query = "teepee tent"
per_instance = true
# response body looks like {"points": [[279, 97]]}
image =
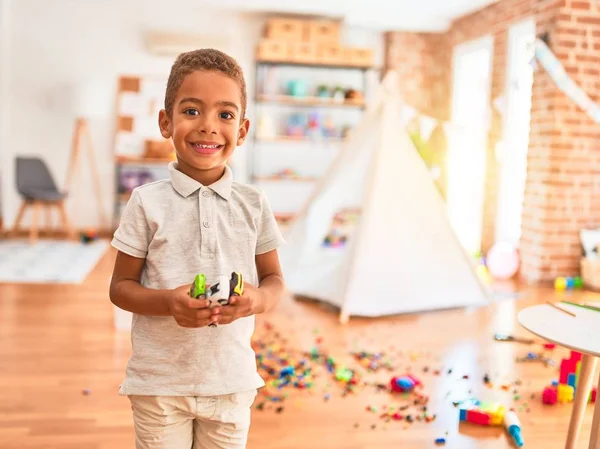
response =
{"points": [[401, 254]]}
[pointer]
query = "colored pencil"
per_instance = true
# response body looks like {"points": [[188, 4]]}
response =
{"points": [[583, 306], [560, 308]]}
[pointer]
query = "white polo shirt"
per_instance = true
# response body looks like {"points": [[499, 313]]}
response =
{"points": [[183, 228]]}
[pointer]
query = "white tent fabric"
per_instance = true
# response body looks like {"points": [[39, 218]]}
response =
{"points": [[403, 255]]}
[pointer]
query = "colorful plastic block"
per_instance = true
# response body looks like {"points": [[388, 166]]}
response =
{"points": [[565, 393], [549, 396], [567, 366], [482, 413], [477, 417], [571, 380]]}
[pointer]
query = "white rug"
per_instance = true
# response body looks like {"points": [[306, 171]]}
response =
{"points": [[48, 261]]}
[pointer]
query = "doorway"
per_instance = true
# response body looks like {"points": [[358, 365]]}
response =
{"points": [[512, 155], [468, 139]]}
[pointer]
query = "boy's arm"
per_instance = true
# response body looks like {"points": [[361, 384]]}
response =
{"points": [[127, 293], [270, 278]]}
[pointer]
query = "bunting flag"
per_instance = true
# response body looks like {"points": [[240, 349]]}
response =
{"points": [[427, 125], [564, 82]]}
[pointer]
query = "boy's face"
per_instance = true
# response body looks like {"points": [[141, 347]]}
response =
{"points": [[206, 123]]}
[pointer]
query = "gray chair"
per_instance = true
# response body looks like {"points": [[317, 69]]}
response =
{"points": [[36, 186]]}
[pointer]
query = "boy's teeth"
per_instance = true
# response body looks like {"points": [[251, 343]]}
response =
{"points": [[206, 146]]}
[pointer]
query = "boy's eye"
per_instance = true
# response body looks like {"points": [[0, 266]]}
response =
{"points": [[191, 111], [226, 115]]}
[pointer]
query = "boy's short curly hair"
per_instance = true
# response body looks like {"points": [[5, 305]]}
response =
{"points": [[203, 59]]}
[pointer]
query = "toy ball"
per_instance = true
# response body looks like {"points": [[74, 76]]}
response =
{"points": [[560, 283], [502, 261], [570, 282], [578, 282]]}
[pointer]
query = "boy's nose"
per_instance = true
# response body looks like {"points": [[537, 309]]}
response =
{"points": [[207, 126]]}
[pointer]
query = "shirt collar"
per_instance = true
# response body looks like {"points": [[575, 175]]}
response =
{"points": [[185, 186]]}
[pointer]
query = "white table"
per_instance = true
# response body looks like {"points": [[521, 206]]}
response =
{"points": [[580, 333]]}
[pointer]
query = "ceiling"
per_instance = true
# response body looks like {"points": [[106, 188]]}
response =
{"points": [[381, 15]]}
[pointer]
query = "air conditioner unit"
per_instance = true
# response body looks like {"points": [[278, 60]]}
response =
{"points": [[170, 44]]}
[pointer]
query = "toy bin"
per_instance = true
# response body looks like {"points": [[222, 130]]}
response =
{"points": [[330, 55], [276, 51], [301, 52], [323, 32], [590, 273], [285, 29]]}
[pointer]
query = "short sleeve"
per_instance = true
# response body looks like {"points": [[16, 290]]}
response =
{"points": [[269, 235], [133, 235]]}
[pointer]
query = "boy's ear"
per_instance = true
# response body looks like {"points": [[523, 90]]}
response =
{"points": [[243, 131], [164, 123]]}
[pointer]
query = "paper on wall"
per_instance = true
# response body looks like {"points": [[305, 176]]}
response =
{"points": [[131, 104], [128, 144]]}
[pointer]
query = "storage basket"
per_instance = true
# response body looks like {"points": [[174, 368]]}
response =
{"points": [[269, 50], [285, 29], [590, 273], [323, 32]]}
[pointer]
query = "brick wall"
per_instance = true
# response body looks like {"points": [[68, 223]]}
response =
{"points": [[563, 157]]}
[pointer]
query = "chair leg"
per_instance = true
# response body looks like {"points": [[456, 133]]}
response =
{"points": [[15, 229], [48, 220], [33, 232], [64, 220]]}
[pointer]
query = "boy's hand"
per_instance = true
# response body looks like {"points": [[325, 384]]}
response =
{"points": [[250, 303], [187, 311]]}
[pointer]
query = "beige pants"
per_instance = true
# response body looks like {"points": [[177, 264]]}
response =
{"points": [[178, 422]]}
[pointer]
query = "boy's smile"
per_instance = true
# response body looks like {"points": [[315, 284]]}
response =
{"points": [[206, 124]]}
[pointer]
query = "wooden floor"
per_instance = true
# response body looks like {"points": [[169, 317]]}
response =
{"points": [[57, 343]]}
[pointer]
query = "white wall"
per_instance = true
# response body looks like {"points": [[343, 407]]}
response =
{"points": [[66, 57], [6, 177]]}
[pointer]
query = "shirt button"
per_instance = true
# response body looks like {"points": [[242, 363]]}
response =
{"points": [[205, 194], [205, 224]]}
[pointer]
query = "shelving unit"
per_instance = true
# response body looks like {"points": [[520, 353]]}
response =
{"points": [[139, 149], [313, 152]]}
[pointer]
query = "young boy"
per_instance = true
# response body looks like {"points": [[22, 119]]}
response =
{"points": [[191, 385]]}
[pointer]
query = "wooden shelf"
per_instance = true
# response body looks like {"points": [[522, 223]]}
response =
{"points": [[299, 139], [124, 197], [142, 160], [283, 178], [315, 65], [310, 101]]}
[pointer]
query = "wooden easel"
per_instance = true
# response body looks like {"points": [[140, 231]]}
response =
{"points": [[82, 131]]}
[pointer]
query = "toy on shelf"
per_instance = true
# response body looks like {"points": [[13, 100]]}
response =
{"points": [[313, 128], [322, 91], [482, 413], [266, 127], [286, 173], [341, 227], [563, 390], [297, 88], [339, 94], [568, 283], [354, 95], [132, 178], [296, 125]]}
